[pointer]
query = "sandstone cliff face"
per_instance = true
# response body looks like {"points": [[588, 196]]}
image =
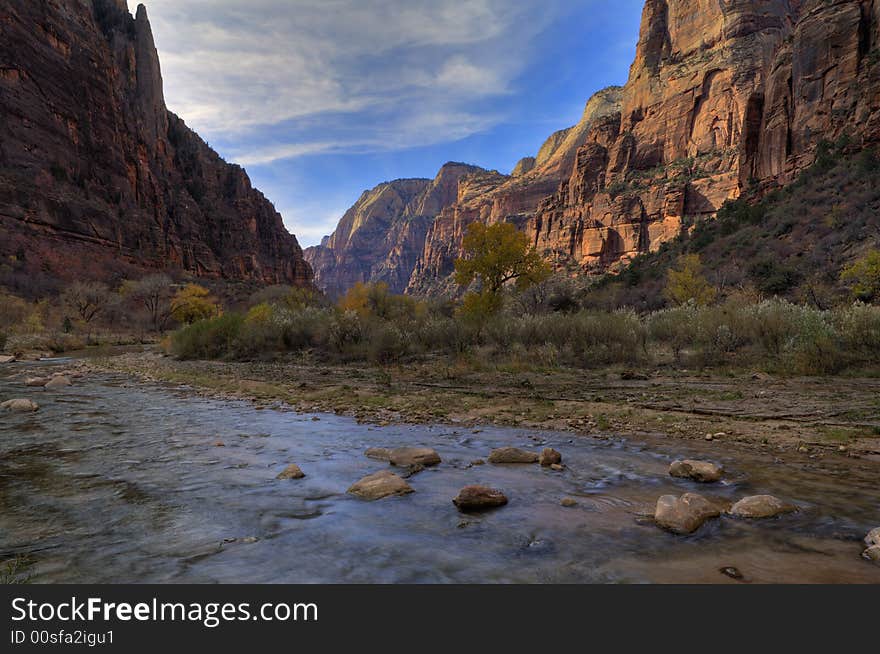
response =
{"points": [[97, 178], [381, 237], [721, 97]]}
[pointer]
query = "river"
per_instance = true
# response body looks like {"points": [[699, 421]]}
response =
{"points": [[120, 481]]}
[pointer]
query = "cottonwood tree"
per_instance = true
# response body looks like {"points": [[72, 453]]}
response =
{"points": [[193, 303], [87, 300], [687, 283], [863, 277], [496, 256], [154, 293]]}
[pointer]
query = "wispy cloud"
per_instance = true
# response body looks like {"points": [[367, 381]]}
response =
{"points": [[289, 78]]}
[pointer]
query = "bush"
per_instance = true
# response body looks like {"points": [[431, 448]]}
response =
{"points": [[209, 339]]}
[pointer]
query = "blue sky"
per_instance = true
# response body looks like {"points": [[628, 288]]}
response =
{"points": [[321, 99]]}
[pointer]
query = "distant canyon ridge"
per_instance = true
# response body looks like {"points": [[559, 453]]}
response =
{"points": [[722, 97], [98, 180]]}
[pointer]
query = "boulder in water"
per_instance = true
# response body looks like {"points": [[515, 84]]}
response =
{"points": [[379, 454], [512, 455], [36, 382], [20, 406], [58, 382], [685, 514], [7, 359], [550, 457], [414, 456], [701, 471], [873, 538], [479, 498], [872, 554], [380, 485], [761, 506], [291, 472]]}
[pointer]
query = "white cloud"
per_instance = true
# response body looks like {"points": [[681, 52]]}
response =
{"points": [[341, 75]]}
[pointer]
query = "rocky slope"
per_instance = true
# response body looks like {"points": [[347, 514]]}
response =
{"points": [[722, 97], [97, 178], [381, 237]]}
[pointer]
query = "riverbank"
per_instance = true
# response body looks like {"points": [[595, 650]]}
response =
{"points": [[813, 418]]}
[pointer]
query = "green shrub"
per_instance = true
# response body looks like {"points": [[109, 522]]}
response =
{"points": [[215, 338]]}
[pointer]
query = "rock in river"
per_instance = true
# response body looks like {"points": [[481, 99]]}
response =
{"points": [[550, 457], [36, 382], [58, 382], [479, 498], [701, 471], [872, 554], [379, 485], [20, 406], [761, 506], [512, 455], [7, 359], [414, 456], [379, 454], [685, 514], [292, 472], [873, 538]]}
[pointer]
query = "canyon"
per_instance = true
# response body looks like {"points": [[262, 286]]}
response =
{"points": [[98, 179], [723, 98]]}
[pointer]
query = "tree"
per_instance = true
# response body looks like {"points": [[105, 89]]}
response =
{"points": [[193, 303], [863, 277], [376, 300], [153, 292], [686, 282], [86, 300], [496, 255]]}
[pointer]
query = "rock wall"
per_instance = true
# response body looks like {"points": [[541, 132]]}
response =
{"points": [[97, 178], [723, 96], [382, 236]]}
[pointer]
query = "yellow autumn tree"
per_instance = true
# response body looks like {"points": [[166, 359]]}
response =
{"points": [[495, 256], [193, 303], [863, 277], [687, 283]]}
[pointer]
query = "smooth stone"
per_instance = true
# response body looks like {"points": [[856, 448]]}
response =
{"points": [[569, 503], [478, 462], [380, 485], [872, 554], [701, 471], [556, 467], [479, 498], [20, 406], [36, 382], [58, 382], [291, 472], [7, 359], [379, 454], [414, 456], [512, 455], [685, 514], [761, 506], [550, 457], [873, 538]]}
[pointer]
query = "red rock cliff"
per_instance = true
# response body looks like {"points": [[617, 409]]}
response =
{"points": [[98, 178], [721, 96]]}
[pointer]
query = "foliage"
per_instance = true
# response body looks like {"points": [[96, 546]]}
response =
{"points": [[496, 255], [863, 277], [192, 303], [687, 283]]}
